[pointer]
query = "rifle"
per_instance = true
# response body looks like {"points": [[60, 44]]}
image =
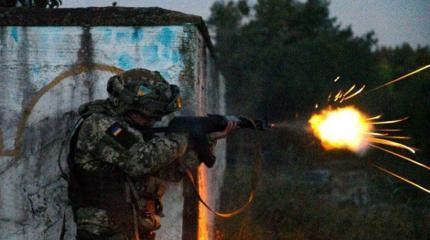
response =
{"points": [[198, 129]]}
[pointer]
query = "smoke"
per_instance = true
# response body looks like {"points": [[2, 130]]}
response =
{"points": [[293, 126]]}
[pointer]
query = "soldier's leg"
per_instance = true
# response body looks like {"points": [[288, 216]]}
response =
{"points": [[93, 224]]}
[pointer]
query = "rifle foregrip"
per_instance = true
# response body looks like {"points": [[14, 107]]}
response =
{"points": [[199, 127], [211, 123]]}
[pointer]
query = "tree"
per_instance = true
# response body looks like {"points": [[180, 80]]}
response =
{"points": [[31, 3], [410, 97], [286, 55], [279, 58]]}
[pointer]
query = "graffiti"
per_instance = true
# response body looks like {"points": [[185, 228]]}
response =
{"points": [[26, 111]]}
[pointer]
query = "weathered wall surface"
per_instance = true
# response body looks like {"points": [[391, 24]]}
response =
{"points": [[47, 72], [210, 180], [208, 98]]}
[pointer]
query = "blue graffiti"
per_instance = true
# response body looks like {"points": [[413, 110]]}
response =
{"points": [[165, 74], [166, 53], [35, 71], [175, 56], [122, 36], [107, 35], [150, 53], [125, 61], [166, 36], [137, 35], [14, 33]]}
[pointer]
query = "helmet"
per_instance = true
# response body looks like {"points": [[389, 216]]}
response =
{"points": [[145, 92]]}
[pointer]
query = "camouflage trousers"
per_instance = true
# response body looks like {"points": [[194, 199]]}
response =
{"points": [[93, 224]]}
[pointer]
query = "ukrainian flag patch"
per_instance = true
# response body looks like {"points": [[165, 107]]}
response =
{"points": [[116, 131], [121, 135], [143, 91]]}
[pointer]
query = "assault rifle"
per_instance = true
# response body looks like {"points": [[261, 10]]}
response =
{"points": [[199, 127]]}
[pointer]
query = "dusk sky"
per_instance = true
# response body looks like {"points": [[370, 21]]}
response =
{"points": [[394, 21]]}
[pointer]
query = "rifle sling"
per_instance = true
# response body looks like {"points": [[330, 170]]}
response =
{"points": [[256, 169]]}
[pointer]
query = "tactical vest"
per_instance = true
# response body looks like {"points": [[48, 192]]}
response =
{"points": [[103, 189]]}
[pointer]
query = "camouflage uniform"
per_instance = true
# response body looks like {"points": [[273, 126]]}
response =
{"points": [[119, 174]]}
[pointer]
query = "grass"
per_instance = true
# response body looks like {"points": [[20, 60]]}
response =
{"points": [[288, 206]]}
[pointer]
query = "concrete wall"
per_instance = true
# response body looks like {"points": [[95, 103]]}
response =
{"points": [[210, 180], [47, 72]]}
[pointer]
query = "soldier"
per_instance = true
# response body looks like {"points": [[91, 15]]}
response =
{"points": [[117, 170]]}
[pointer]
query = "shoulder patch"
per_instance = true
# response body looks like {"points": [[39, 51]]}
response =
{"points": [[122, 135]]}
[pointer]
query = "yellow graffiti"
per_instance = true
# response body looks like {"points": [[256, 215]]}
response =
{"points": [[25, 114]]}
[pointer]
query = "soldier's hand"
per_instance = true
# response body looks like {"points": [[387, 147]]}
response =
{"points": [[219, 135]]}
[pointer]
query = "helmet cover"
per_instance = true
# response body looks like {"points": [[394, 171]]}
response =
{"points": [[144, 91]]}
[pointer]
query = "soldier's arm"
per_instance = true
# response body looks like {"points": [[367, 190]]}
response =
{"points": [[145, 157], [135, 156]]}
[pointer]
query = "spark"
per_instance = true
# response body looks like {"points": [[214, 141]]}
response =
{"points": [[336, 79], [344, 97], [338, 96], [400, 156], [355, 94], [400, 78], [396, 137], [391, 121], [402, 178], [349, 90], [391, 143], [375, 117], [377, 134], [388, 130], [348, 128]]}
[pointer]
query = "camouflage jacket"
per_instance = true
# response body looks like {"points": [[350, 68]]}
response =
{"points": [[106, 139]]}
